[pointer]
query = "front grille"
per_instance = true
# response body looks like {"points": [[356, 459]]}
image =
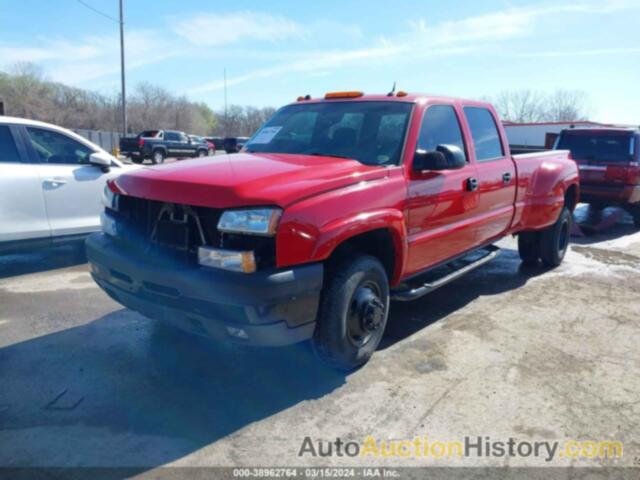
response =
{"points": [[176, 231]]}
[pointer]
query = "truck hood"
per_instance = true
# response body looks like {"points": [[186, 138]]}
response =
{"points": [[245, 179]]}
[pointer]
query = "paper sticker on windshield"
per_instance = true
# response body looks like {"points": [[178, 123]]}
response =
{"points": [[266, 135]]}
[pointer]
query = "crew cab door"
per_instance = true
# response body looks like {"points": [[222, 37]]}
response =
{"points": [[441, 204], [22, 210], [496, 174], [71, 186], [178, 145]]}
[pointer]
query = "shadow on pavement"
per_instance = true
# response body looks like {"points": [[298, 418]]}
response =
{"points": [[597, 227], [125, 391], [504, 273], [42, 259]]}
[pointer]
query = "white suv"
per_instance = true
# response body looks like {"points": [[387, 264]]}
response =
{"points": [[51, 182]]}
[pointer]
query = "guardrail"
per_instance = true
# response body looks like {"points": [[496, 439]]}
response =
{"points": [[110, 141]]}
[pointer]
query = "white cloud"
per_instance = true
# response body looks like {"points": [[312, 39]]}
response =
{"points": [[89, 58], [580, 53], [222, 29], [424, 40], [419, 42], [48, 50]]}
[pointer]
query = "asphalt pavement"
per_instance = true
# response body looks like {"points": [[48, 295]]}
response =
{"points": [[506, 351]]}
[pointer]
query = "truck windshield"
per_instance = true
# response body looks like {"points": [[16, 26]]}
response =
{"points": [[370, 132], [613, 147]]}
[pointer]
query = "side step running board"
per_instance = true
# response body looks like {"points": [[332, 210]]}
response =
{"points": [[414, 293]]}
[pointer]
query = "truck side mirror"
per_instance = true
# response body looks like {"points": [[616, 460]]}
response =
{"points": [[444, 157]]}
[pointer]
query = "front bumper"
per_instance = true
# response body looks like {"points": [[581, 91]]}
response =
{"points": [[270, 308]]}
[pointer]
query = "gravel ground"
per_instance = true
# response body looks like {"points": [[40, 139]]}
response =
{"points": [[504, 352]]}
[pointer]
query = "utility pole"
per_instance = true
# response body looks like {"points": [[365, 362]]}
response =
{"points": [[226, 118], [124, 91]]}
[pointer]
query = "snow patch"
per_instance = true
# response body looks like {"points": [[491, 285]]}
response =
{"points": [[48, 283]]}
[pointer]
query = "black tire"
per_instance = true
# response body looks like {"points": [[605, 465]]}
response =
{"points": [[554, 240], [529, 247], [202, 153], [137, 160], [158, 156], [634, 210], [353, 313]]}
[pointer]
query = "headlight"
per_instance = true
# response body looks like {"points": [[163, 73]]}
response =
{"points": [[108, 224], [110, 199], [259, 221]]}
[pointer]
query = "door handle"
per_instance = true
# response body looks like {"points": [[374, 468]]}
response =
{"points": [[55, 181], [506, 177], [472, 184]]}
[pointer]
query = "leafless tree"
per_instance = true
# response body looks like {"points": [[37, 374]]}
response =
{"points": [[521, 105], [535, 106], [27, 93], [567, 105], [242, 121]]}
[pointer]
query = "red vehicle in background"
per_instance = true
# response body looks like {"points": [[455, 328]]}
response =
{"points": [[609, 164], [212, 146], [333, 208]]}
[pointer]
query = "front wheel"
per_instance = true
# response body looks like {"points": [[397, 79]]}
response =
{"points": [[202, 153], [157, 156], [353, 313]]}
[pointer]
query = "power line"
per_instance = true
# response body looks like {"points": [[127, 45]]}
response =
{"points": [[95, 10], [119, 21]]}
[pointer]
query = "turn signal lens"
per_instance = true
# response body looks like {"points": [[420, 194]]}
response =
{"points": [[109, 199], [227, 259]]}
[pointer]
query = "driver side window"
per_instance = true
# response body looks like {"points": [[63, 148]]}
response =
{"points": [[55, 148], [440, 126]]}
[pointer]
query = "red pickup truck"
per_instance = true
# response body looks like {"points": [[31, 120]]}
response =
{"points": [[334, 207], [609, 164]]}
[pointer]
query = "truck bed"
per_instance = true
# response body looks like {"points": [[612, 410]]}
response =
{"points": [[128, 145]]}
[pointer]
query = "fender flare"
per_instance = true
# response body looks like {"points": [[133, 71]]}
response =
{"points": [[335, 233]]}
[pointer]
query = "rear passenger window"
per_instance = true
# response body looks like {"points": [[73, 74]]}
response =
{"points": [[485, 134], [8, 150], [440, 126]]}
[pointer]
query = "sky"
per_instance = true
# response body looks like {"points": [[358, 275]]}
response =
{"points": [[276, 50]]}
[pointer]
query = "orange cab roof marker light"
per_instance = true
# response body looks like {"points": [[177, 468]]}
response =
{"points": [[401, 93], [331, 95]]}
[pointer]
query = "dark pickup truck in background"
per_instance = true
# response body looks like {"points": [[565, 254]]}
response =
{"points": [[609, 163], [234, 144], [157, 145]]}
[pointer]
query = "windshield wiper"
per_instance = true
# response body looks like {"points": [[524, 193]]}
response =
{"points": [[320, 154]]}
